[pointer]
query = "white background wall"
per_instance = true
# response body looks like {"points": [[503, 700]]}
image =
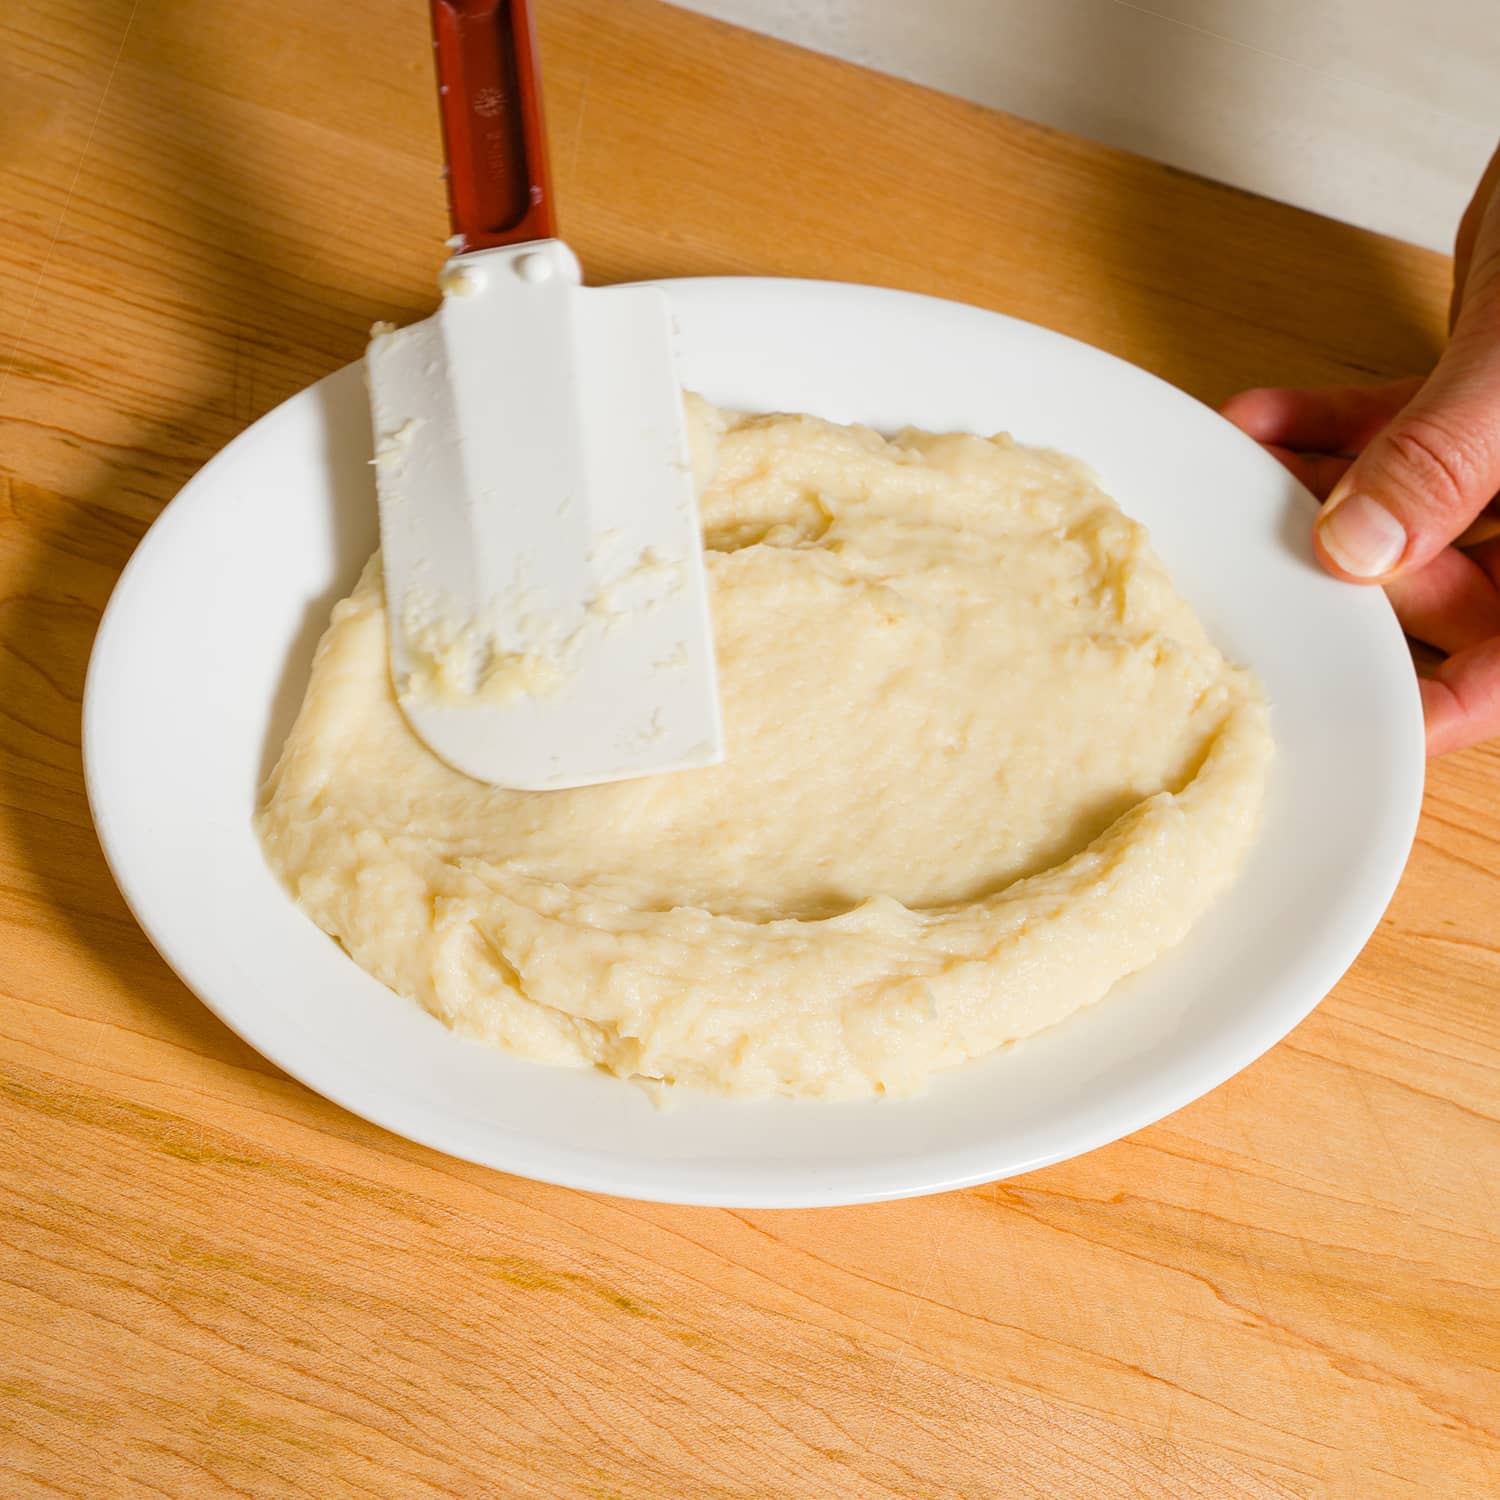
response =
{"points": [[1379, 112]]}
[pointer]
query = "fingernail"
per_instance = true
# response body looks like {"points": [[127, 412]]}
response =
{"points": [[1361, 535]]}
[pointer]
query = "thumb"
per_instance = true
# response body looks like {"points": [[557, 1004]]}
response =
{"points": [[1427, 475]]}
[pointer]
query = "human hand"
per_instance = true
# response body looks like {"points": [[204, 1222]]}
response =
{"points": [[1406, 470]]}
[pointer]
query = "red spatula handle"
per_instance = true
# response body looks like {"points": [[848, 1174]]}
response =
{"points": [[499, 189]]}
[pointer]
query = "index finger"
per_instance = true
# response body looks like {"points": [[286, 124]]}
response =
{"points": [[1334, 420]]}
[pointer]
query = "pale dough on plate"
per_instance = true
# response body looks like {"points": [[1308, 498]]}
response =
{"points": [[983, 763]]}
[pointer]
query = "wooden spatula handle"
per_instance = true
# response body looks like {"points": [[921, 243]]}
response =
{"points": [[489, 95]]}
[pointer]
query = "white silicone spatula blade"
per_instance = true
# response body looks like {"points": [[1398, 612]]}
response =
{"points": [[543, 562]]}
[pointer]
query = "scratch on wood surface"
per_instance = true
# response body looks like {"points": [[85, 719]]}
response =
{"points": [[917, 1302], [583, 105]]}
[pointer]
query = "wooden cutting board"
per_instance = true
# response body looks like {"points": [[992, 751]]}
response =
{"points": [[217, 1284]]}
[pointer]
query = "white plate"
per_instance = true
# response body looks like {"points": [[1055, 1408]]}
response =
{"points": [[203, 654]]}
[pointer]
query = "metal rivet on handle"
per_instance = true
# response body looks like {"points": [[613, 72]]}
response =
{"points": [[534, 268]]}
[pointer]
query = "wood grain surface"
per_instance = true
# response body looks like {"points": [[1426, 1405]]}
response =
{"points": [[216, 1284]]}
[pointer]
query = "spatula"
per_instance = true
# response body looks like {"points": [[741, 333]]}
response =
{"points": [[543, 564]]}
